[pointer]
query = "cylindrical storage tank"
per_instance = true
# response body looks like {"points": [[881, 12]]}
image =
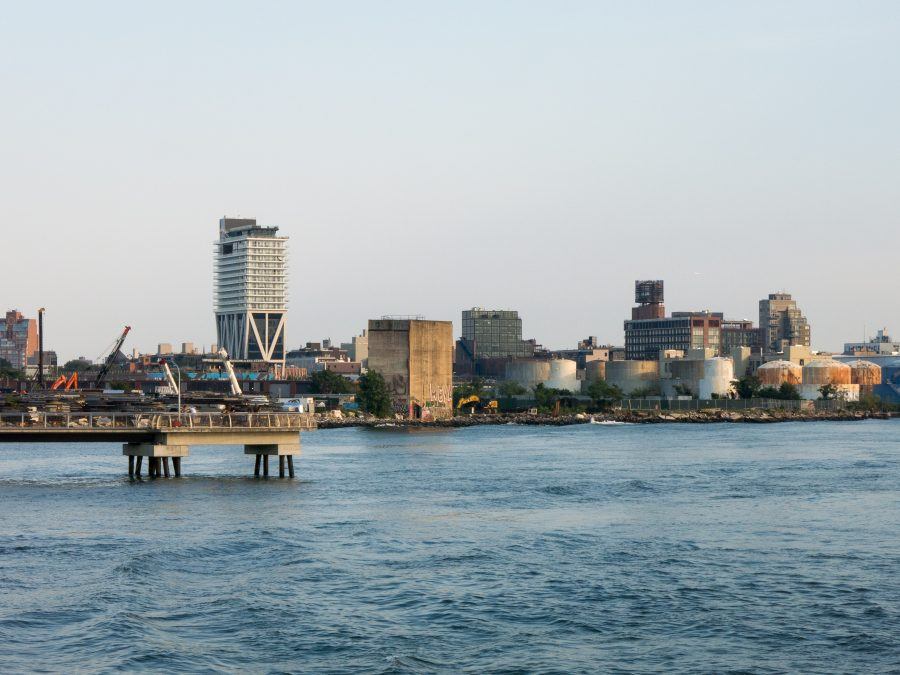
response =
{"points": [[865, 373], [776, 373], [528, 372], [826, 371], [631, 376], [718, 375], [563, 375], [594, 370]]}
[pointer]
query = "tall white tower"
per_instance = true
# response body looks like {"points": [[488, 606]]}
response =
{"points": [[251, 291]]}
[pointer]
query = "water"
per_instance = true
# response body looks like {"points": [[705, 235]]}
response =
{"points": [[765, 548]]}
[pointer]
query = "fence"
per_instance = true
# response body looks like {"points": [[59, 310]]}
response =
{"points": [[730, 404], [153, 421]]}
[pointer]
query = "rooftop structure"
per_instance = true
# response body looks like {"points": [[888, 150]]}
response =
{"points": [[251, 291], [649, 296]]}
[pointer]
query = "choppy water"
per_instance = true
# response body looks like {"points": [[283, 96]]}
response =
{"points": [[764, 548]]}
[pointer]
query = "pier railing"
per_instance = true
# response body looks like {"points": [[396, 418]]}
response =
{"points": [[156, 421]]}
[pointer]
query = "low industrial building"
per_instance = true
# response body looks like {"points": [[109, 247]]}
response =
{"points": [[880, 345]]}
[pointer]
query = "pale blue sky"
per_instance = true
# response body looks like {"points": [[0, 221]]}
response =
{"points": [[426, 157]]}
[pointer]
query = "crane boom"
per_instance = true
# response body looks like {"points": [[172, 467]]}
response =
{"points": [[235, 385], [169, 378], [107, 364]]}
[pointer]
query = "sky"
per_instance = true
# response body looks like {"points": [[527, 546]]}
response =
{"points": [[427, 157]]}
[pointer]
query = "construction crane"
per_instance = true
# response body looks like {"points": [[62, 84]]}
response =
{"points": [[235, 385], [107, 363]]}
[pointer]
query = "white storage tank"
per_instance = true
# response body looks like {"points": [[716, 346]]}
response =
{"points": [[528, 372], [718, 375], [632, 376], [594, 370], [563, 375]]}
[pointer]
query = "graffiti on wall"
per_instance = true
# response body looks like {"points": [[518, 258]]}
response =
{"points": [[441, 395]]}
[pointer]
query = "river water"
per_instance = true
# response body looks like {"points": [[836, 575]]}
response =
{"points": [[645, 548]]}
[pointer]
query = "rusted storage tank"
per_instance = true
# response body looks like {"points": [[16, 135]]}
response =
{"points": [[826, 371], [776, 373], [631, 376], [865, 373]]}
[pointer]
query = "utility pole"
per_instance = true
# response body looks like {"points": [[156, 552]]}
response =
{"points": [[40, 377]]}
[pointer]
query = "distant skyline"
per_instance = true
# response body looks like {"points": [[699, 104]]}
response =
{"points": [[425, 158]]}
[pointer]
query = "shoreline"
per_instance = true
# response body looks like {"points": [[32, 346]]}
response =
{"points": [[618, 416]]}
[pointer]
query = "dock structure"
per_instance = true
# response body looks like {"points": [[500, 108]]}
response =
{"points": [[161, 437]]}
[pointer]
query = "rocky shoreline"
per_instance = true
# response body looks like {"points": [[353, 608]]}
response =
{"points": [[616, 416]]}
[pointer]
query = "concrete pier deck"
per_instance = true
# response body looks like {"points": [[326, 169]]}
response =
{"points": [[159, 437]]}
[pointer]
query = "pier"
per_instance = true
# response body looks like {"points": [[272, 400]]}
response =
{"points": [[163, 437]]}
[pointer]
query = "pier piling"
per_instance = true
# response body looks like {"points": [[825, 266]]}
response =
{"points": [[284, 451]]}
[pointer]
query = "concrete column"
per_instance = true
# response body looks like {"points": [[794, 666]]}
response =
{"points": [[157, 455], [284, 451]]}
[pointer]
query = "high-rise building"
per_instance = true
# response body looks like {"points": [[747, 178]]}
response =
{"points": [[251, 291], [494, 333], [18, 339], [782, 324]]}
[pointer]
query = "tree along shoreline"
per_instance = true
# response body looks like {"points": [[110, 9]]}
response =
{"points": [[711, 416]]}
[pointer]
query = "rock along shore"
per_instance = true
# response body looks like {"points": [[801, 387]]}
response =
{"points": [[627, 416]]}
